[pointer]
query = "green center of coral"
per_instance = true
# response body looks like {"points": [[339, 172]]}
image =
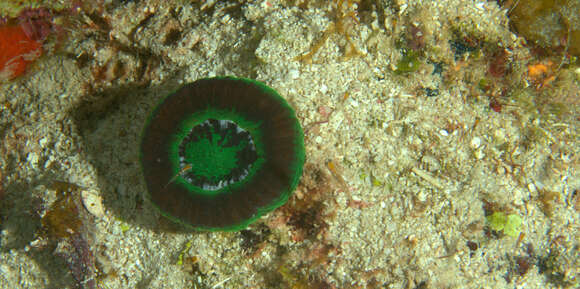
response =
{"points": [[221, 160], [216, 153]]}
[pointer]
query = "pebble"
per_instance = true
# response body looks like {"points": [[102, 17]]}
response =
{"points": [[475, 142], [93, 203], [323, 89], [294, 74]]}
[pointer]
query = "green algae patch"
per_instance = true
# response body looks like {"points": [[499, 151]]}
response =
{"points": [[511, 224]]}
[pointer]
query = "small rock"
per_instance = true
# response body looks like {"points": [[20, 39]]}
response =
{"points": [[93, 203], [475, 142], [294, 74]]}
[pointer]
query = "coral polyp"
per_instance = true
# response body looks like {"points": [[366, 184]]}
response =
{"points": [[220, 152]]}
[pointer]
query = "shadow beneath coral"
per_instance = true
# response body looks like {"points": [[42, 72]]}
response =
{"points": [[110, 125]]}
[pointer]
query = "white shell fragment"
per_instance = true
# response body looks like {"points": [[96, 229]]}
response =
{"points": [[93, 203]]}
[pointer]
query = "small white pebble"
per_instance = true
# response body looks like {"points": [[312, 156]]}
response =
{"points": [[324, 89], [353, 102], [422, 197], [402, 8], [532, 188], [475, 142], [294, 74], [443, 132]]}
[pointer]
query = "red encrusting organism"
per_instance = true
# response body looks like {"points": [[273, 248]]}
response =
{"points": [[21, 42], [17, 51]]}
